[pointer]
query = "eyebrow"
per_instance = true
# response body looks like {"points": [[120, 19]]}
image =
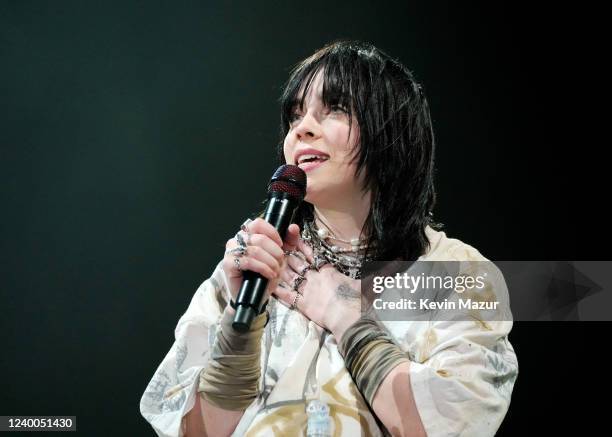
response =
{"points": [[294, 102]]}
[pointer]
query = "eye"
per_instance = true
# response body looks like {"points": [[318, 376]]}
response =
{"points": [[338, 108], [293, 116]]}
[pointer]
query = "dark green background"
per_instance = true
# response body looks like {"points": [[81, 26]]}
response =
{"points": [[137, 136]]}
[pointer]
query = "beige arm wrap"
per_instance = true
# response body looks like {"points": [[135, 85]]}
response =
{"points": [[231, 379], [369, 354]]}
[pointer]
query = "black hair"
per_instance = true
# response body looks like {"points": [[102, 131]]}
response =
{"points": [[395, 147]]}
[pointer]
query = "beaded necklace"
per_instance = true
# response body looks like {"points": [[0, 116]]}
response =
{"points": [[347, 261]]}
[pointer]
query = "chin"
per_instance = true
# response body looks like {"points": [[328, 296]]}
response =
{"points": [[312, 196], [318, 197], [308, 198]]}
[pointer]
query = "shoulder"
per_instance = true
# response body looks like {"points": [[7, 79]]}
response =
{"points": [[444, 248], [471, 261], [209, 300]]}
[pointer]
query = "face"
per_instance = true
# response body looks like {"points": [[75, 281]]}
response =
{"points": [[321, 143]]}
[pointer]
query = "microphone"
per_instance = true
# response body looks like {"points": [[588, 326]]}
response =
{"points": [[286, 190]]}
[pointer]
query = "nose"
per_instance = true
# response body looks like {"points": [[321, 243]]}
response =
{"points": [[308, 127]]}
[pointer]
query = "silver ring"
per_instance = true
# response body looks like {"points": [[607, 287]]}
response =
{"points": [[245, 229], [238, 251], [295, 299], [295, 253], [240, 240], [319, 262], [248, 237], [245, 224], [237, 264], [305, 270], [297, 282]]}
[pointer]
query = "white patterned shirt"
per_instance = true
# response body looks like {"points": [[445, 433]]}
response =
{"points": [[461, 373]]}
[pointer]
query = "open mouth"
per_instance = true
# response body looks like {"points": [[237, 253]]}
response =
{"points": [[309, 162], [309, 157]]}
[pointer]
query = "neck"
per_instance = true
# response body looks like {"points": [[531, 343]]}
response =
{"points": [[345, 218]]}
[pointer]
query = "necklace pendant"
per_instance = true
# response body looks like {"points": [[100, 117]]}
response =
{"points": [[319, 421], [323, 233]]}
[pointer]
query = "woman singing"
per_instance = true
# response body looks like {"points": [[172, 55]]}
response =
{"points": [[358, 124]]}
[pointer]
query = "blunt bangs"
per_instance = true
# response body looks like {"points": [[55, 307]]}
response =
{"points": [[396, 140]]}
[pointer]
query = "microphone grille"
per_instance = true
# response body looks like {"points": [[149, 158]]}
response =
{"points": [[289, 179]]}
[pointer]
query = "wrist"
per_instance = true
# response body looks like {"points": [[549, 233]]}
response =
{"points": [[340, 326], [369, 354], [347, 307]]}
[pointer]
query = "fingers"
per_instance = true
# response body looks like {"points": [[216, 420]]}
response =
{"points": [[260, 255], [286, 295], [261, 251], [256, 259], [283, 293], [292, 237], [265, 252], [287, 275], [255, 265], [260, 226], [297, 264], [268, 245], [303, 247]]}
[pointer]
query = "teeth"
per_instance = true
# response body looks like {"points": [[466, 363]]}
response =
{"points": [[306, 157]]}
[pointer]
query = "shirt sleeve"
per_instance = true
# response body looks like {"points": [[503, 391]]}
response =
{"points": [[171, 393], [462, 372], [464, 389]]}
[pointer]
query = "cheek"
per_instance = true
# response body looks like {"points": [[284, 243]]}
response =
{"points": [[348, 172], [287, 152], [341, 173], [345, 156], [345, 139]]}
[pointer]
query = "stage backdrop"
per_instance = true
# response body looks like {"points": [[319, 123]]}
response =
{"points": [[136, 137]]}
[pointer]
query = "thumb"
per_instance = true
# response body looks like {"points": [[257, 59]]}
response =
{"points": [[292, 237]]}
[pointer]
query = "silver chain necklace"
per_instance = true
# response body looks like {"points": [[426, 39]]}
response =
{"points": [[346, 263]]}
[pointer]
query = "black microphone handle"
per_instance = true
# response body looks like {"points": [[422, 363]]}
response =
{"points": [[279, 212]]}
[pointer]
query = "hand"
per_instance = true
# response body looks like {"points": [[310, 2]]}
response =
{"points": [[264, 255], [328, 298]]}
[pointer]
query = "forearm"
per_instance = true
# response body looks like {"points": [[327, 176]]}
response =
{"points": [[394, 404], [230, 382], [392, 401], [207, 420]]}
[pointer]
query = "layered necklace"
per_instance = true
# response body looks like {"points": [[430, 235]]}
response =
{"points": [[347, 260]]}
